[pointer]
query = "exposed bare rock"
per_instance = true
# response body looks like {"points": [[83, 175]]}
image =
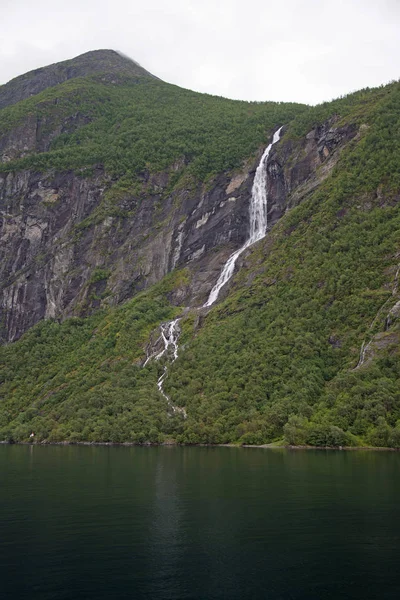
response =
{"points": [[66, 248]]}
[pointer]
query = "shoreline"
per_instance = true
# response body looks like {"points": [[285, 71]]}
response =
{"points": [[175, 444]]}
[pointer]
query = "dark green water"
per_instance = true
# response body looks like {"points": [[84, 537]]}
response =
{"points": [[198, 523]]}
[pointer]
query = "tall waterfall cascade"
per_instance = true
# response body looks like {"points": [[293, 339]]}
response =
{"points": [[258, 219], [258, 228]]}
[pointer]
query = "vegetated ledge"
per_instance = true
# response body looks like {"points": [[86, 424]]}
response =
{"points": [[175, 444]]}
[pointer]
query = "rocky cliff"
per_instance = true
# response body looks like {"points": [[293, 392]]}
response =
{"points": [[62, 254]]}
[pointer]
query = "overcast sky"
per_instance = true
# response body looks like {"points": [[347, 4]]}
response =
{"points": [[298, 50]]}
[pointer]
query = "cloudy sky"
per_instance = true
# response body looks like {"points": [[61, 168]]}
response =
{"points": [[299, 50]]}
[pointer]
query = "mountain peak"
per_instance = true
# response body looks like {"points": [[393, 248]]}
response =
{"points": [[84, 65]]}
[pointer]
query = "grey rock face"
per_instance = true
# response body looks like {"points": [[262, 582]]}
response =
{"points": [[55, 242], [296, 169], [66, 249]]}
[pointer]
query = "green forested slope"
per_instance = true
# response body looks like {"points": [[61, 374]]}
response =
{"points": [[145, 123], [82, 380], [278, 358], [288, 343]]}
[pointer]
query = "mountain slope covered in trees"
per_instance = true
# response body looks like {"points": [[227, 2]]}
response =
{"points": [[303, 345]]}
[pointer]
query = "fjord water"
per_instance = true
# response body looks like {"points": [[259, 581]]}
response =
{"points": [[198, 523]]}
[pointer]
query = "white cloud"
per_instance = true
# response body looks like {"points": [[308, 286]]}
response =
{"points": [[305, 51]]}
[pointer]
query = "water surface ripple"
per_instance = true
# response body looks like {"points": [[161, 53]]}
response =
{"points": [[82, 523]]}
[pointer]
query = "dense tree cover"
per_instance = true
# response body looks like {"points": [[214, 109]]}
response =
{"points": [[277, 359], [357, 106], [278, 356], [82, 379], [145, 124]]}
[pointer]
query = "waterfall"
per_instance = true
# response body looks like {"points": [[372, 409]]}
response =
{"points": [[258, 219], [258, 228], [169, 334]]}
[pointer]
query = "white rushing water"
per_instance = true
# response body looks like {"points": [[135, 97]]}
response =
{"points": [[169, 334], [258, 228], [258, 220]]}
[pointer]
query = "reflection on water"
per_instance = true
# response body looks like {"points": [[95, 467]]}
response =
{"points": [[198, 523]]}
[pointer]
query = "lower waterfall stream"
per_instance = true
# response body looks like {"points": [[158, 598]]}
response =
{"points": [[258, 229], [170, 334]]}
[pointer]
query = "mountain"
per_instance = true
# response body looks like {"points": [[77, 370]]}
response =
{"points": [[104, 63], [121, 199], [111, 168]]}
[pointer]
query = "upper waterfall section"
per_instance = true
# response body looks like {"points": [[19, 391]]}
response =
{"points": [[258, 219]]}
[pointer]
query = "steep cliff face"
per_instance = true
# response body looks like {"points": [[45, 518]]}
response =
{"points": [[36, 133], [66, 249]]}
